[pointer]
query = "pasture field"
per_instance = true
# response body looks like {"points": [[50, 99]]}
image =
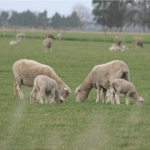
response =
{"points": [[73, 125]]}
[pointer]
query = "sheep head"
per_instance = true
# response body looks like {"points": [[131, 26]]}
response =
{"points": [[65, 92], [81, 94], [140, 101]]}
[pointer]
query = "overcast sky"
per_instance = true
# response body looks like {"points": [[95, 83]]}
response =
{"points": [[63, 7]]}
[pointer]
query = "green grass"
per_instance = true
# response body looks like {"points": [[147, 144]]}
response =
{"points": [[73, 125]]}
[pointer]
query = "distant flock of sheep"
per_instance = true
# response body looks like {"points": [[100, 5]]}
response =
{"points": [[137, 41], [113, 76]]}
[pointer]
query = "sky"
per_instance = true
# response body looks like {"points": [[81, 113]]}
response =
{"points": [[63, 7]]}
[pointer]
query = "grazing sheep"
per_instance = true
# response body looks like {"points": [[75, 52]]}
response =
{"points": [[47, 43], [45, 86], [20, 36], [15, 42], [49, 35], [117, 41], [119, 86], [59, 36], [100, 78], [25, 71], [138, 41]]}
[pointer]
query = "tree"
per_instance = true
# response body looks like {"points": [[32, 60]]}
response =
{"points": [[83, 14]]}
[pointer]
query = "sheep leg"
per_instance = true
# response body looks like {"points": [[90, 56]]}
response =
{"points": [[52, 100], [18, 87], [117, 99], [111, 96], [98, 93], [41, 94], [32, 96], [127, 100]]}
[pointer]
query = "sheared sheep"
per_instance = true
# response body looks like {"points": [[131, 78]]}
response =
{"points": [[45, 86], [25, 71], [100, 78], [138, 41], [117, 41], [49, 35], [20, 36], [47, 43], [15, 42], [119, 86]]}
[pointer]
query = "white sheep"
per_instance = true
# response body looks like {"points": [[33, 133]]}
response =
{"points": [[20, 36], [25, 71], [59, 36], [45, 86], [114, 48], [100, 78], [124, 48], [49, 35], [117, 41], [47, 43], [119, 86], [15, 42], [138, 41]]}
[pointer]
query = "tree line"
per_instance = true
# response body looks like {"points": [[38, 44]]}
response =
{"points": [[121, 13]]}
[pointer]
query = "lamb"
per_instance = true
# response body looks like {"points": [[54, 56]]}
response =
{"points": [[59, 36], [49, 35], [20, 36], [100, 78], [117, 41], [119, 86], [124, 48], [114, 48], [15, 42], [45, 86], [138, 41], [25, 71], [47, 43]]}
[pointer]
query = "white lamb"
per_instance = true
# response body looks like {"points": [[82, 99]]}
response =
{"points": [[114, 48], [119, 86], [59, 36], [15, 42], [25, 71], [47, 43], [100, 78], [45, 86]]}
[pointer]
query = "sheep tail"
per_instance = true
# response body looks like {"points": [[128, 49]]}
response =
{"points": [[15, 91]]}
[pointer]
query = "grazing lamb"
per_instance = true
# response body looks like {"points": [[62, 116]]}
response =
{"points": [[25, 71], [47, 43], [117, 41], [49, 35], [45, 86], [119, 86], [15, 42], [100, 78], [138, 41], [20, 36], [59, 36]]}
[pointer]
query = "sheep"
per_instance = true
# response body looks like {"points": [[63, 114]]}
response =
{"points": [[117, 41], [45, 86], [49, 35], [25, 71], [15, 42], [124, 48], [59, 36], [138, 41], [114, 48], [100, 78], [20, 36], [119, 86], [47, 43]]}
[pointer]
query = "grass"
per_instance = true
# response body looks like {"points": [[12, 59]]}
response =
{"points": [[73, 125]]}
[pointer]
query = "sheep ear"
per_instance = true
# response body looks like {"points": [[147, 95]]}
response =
{"points": [[62, 98], [65, 89]]}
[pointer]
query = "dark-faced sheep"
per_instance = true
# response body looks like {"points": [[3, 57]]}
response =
{"points": [[47, 44], [117, 41]]}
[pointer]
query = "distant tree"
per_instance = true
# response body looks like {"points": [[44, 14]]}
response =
{"points": [[4, 17], [56, 20], [83, 14]]}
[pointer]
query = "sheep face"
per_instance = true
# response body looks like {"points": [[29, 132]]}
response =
{"points": [[60, 100], [140, 101], [65, 93], [81, 94]]}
